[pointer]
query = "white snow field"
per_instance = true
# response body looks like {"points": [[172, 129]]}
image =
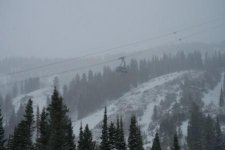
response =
{"points": [[211, 98], [139, 101], [39, 98]]}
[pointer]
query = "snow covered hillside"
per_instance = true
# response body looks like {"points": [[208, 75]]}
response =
{"points": [[210, 97], [39, 98], [139, 101]]}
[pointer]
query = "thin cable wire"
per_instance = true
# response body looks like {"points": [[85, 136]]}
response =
{"points": [[105, 62], [203, 31], [66, 71], [113, 48]]}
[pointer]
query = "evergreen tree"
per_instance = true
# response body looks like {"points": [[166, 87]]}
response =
{"points": [[122, 143], [2, 139], [112, 136], [195, 129], [29, 120], [209, 134], [87, 139], [70, 138], [156, 143], [175, 143], [118, 133], [104, 145], [42, 141], [140, 140], [37, 124], [134, 139], [58, 123], [221, 98], [23, 132], [10, 143], [81, 137], [219, 143], [19, 141]]}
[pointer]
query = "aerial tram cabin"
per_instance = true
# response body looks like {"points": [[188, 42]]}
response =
{"points": [[122, 68]]}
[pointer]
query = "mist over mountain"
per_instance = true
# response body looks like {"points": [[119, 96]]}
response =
{"points": [[112, 75], [73, 28]]}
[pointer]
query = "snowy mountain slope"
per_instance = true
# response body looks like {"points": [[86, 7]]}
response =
{"points": [[211, 98], [211, 106], [139, 101], [39, 98]]}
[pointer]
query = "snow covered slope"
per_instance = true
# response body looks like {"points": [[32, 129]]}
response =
{"points": [[39, 98], [211, 98], [139, 101]]}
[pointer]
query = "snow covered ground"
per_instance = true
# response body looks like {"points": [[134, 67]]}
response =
{"points": [[211, 98], [139, 101], [39, 98], [211, 104]]}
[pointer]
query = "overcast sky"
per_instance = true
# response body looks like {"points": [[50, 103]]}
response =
{"points": [[70, 28]]}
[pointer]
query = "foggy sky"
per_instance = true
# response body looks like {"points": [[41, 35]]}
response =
{"points": [[70, 28]]}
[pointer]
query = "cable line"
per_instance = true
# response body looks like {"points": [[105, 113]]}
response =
{"points": [[116, 47]]}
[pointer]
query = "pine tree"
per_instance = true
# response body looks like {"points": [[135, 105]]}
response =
{"points": [[37, 128], [104, 145], [133, 139], [156, 143], [10, 143], [70, 145], [23, 132], [2, 139], [175, 143], [87, 139], [221, 103], [195, 129], [58, 122], [81, 137], [209, 134], [118, 133], [29, 120], [19, 141], [122, 143], [42, 141], [37, 123], [112, 136], [140, 140], [219, 143]]}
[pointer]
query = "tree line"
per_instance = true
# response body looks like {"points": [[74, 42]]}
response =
{"points": [[109, 84], [101, 87], [52, 130], [204, 133]]}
